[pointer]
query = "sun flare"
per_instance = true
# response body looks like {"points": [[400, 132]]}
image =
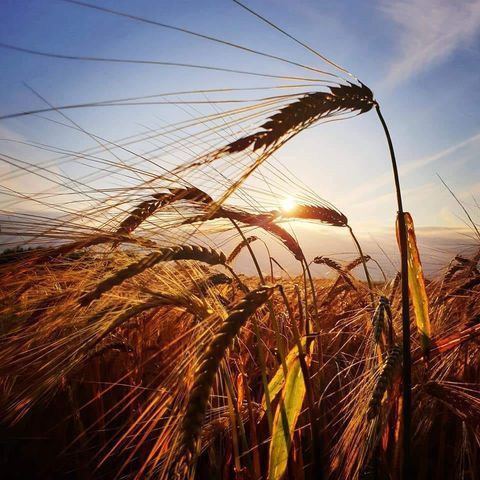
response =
{"points": [[288, 204]]}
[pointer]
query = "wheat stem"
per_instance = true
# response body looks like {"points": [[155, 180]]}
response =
{"points": [[407, 368]]}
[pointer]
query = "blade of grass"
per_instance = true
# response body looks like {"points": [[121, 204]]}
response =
{"points": [[416, 284], [285, 420]]}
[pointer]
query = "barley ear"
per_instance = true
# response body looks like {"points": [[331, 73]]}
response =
{"points": [[208, 365], [384, 380], [181, 252], [378, 320], [234, 253]]}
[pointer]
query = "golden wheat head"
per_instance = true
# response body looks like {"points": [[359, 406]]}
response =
{"points": [[180, 252], [208, 365]]}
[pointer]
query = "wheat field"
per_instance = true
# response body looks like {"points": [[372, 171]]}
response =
{"points": [[136, 344]]}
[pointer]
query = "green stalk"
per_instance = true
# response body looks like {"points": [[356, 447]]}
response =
{"points": [[407, 373]]}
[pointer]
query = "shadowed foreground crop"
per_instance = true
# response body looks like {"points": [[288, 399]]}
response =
{"points": [[113, 388]]}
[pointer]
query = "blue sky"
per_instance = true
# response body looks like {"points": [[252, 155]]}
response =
{"points": [[420, 57]]}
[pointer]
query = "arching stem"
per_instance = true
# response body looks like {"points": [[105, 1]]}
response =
{"points": [[407, 374]]}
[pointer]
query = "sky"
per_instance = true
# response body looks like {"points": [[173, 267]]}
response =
{"points": [[420, 57]]}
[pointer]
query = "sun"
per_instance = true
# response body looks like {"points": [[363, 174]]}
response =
{"points": [[288, 204]]}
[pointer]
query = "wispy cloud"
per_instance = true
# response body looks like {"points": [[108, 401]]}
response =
{"points": [[429, 32], [409, 168]]}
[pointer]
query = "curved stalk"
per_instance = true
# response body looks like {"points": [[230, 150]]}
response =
{"points": [[407, 375]]}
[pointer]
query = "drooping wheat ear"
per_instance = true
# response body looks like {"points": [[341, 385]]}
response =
{"points": [[208, 365], [302, 113], [391, 329], [263, 220], [452, 270], [384, 380], [148, 207], [326, 215], [462, 260], [240, 247], [180, 252], [474, 265], [378, 321], [286, 239], [459, 264], [321, 260], [355, 263]]}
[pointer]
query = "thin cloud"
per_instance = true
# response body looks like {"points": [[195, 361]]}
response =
{"points": [[429, 31], [411, 167]]}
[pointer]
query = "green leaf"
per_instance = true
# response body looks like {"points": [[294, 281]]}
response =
{"points": [[276, 383], [416, 286], [286, 416]]}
